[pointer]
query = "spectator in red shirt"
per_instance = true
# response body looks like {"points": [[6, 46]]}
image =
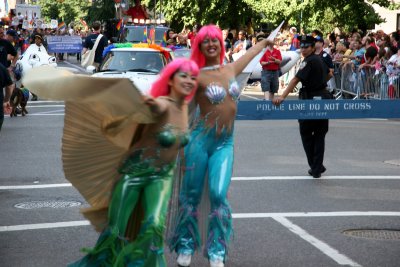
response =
{"points": [[137, 11], [270, 63], [191, 35]]}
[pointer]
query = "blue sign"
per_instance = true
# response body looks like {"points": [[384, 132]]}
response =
{"points": [[64, 44], [318, 109]]}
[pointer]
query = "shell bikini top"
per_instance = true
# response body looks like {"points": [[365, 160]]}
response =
{"points": [[168, 137], [217, 93]]}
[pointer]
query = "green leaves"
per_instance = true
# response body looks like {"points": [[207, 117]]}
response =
{"points": [[324, 15], [64, 10]]}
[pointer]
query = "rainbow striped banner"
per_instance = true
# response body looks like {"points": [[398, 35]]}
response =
{"points": [[61, 25], [145, 40], [120, 25]]}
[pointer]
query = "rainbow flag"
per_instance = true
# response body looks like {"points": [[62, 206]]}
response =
{"points": [[164, 40], [145, 40], [84, 24], [120, 25], [61, 25], [152, 36]]}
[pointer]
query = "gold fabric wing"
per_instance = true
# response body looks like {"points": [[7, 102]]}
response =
{"points": [[101, 115]]}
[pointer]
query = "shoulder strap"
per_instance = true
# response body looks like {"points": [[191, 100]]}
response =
{"points": [[97, 42]]}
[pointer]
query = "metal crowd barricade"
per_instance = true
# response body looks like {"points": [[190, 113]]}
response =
{"points": [[337, 78], [378, 85], [349, 82], [365, 83]]}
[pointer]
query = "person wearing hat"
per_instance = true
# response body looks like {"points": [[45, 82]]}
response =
{"points": [[319, 50], [11, 35], [8, 53], [38, 38], [313, 76], [6, 83]]}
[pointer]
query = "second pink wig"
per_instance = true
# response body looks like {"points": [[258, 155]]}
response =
{"points": [[209, 31]]}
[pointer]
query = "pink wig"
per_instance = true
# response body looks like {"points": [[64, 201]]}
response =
{"points": [[160, 87], [209, 31]]}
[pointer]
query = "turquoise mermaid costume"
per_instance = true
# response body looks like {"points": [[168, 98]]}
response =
{"points": [[212, 151]]}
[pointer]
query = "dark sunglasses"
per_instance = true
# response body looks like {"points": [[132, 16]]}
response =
{"points": [[305, 45]]}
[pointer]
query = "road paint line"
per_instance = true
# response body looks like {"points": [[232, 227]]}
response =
{"points": [[251, 97], [315, 214], [320, 245], [45, 101], [45, 114], [234, 215], [37, 226], [327, 177], [262, 178], [74, 66], [45, 106], [51, 112], [36, 186]]}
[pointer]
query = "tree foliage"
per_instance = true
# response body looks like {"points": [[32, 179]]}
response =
{"points": [[321, 14], [224, 13], [309, 14], [101, 10], [64, 10]]}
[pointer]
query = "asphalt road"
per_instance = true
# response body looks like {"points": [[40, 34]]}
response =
{"points": [[282, 216]]}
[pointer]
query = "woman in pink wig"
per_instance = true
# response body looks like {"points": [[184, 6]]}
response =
{"points": [[210, 150], [146, 176]]}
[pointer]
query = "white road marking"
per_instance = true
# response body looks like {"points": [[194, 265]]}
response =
{"points": [[261, 178], [45, 106], [50, 112], [37, 186], [45, 101], [251, 97], [327, 177], [320, 245], [315, 214], [234, 215], [46, 114], [42, 226], [75, 66]]}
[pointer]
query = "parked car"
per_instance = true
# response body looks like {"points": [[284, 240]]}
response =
{"points": [[182, 52], [141, 65]]}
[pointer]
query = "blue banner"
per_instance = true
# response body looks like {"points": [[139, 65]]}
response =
{"points": [[64, 44], [318, 109]]}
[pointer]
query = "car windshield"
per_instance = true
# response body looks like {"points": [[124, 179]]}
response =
{"points": [[135, 34], [183, 52], [140, 61]]}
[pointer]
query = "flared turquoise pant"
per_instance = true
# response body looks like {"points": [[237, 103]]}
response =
{"points": [[205, 151]]}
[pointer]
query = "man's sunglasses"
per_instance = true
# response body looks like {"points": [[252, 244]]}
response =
{"points": [[305, 45]]}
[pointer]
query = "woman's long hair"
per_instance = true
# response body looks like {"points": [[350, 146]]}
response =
{"points": [[161, 88], [210, 31]]}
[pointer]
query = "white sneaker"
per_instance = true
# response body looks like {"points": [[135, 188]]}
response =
{"points": [[216, 263], [184, 259]]}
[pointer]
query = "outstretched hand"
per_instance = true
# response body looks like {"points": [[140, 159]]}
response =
{"points": [[277, 100], [151, 103], [7, 107]]}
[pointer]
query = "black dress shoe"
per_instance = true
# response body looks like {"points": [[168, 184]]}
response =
{"points": [[323, 169], [317, 175]]}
